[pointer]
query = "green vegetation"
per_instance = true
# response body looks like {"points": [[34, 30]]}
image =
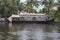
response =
{"points": [[9, 7], [30, 4]]}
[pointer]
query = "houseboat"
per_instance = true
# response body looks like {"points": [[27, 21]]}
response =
{"points": [[29, 17]]}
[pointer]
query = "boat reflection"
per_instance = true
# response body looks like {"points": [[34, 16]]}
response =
{"points": [[29, 31]]}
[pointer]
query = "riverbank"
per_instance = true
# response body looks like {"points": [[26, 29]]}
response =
{"points": [[56, 21]]}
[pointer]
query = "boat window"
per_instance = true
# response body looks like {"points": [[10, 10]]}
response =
{"points": [[13, 18], [22, 18], [34, 18], [44, 17], [39, 17], [18, 19]]}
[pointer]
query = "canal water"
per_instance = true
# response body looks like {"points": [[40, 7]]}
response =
{"points": [[29, 31]]}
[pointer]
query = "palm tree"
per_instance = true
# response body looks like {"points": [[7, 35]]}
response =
{"points": [[30, 4], [21, 6], [14, 6], [49, 4], [44, 10], [57, 13]]}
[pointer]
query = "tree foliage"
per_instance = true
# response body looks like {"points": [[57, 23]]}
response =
{"points": [[30, 4], [9, 7], [48, 8], [57, 13]]}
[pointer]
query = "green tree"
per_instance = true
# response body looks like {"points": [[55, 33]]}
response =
{"points": [[44, 10], [21, 7], [4, 10], [30, 4], [57, 14], [48, 8], [14, 7], [7, 8]]}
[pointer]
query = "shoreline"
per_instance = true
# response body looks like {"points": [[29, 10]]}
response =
{"points": [[30, 22], [56, 21]]}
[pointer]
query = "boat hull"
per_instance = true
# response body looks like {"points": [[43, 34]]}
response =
{"points": [[49, 21]]}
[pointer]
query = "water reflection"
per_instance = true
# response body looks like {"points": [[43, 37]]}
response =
{"points": [[29, 31], [58, 28]]}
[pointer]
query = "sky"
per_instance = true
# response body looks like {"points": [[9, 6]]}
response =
{"points": [[39, 0], [40, 7], [23, 0]]}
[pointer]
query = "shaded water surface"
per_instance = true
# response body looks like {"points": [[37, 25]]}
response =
{"points": [[29, 31]]}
